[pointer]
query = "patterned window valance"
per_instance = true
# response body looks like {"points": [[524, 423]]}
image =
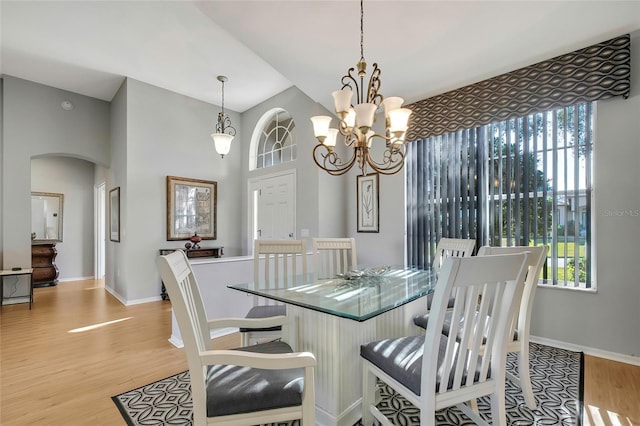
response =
{"points": [[597, 72]]}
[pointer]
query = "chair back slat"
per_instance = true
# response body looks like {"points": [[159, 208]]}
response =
{"points": [[334, 256], [486, 291], [535, 262], [454, 247], [282, 261]]}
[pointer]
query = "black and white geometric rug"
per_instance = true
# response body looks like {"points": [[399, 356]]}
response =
{"points": [[556, 376]]}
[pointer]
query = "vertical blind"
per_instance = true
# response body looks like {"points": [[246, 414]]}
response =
{"points": [[508, 160], [522, 181]]}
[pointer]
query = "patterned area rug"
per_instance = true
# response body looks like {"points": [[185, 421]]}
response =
{"points": [[556, 378]]}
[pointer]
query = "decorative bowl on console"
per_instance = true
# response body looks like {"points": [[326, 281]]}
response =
{"points": [[195, 240]]}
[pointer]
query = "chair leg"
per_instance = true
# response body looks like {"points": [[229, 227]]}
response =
{"points": [[473, 404], [245, 338], [525, 377], [498, 405], [427, 416], [368, 394]]}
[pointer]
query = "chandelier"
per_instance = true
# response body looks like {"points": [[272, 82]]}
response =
{"points": [[356, 122], [224, 130]]}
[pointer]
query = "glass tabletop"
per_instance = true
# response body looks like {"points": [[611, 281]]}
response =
{"points": [[359, 296]]}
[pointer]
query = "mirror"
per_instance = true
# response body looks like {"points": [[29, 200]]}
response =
{"points": [[46, 217]]}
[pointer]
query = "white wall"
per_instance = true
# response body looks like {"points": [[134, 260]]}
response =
{"points": [[74, 179]]}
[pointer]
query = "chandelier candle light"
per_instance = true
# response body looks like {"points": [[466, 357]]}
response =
{"points": [[224, 130], [356, 122]]}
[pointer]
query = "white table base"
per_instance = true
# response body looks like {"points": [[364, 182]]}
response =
{"points": [[335, 342]]}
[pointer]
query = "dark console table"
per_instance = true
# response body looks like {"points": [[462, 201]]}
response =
{"points": [[43, 262], [191, 254]]}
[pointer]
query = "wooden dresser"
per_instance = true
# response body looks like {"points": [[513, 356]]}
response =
{"points": [[43, 262]]}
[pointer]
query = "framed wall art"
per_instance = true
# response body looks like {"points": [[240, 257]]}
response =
{"points": [[368, 203], [191, 208], [114, 215]]}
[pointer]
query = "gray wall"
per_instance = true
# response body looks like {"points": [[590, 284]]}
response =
{"points": [[609, 319], [320, 201], [33, 125], [74, 179], [117, 177], [165, 134]]}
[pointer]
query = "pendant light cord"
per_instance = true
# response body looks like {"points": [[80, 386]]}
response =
{"points": [[223, 98]]}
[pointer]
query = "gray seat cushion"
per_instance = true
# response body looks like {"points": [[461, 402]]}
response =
{"points": [[421, 320], [265, 311], [233, 390], [401, 359]]}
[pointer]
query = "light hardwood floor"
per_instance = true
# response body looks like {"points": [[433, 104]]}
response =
{"points": [[62, 361]]}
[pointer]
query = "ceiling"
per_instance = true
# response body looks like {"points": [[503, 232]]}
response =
{"points": [[422, 47]]}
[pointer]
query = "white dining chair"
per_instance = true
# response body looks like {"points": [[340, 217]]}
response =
{"points": [[276, 263], [263, 383], [521, 325], [334, 256], [519, 329], [456, 247], [446, 247], [434, 371]]}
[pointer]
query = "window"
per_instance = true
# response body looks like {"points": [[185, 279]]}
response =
{"points": [[276, 143], [524, 181]]}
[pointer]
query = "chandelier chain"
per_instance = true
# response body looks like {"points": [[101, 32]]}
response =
{"points": [[362, 30]]}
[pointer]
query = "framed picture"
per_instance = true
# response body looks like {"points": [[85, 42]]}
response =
{"points": [[114, 214], [368, 203], [191, 208]]}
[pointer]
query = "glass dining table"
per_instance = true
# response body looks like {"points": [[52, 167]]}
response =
{"points": [[332, 317]]}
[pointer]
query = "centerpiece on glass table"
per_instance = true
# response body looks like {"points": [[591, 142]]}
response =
{"points": [[355, 274]]}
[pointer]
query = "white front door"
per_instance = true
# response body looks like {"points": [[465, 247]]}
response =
{"points": [[273, 206]]}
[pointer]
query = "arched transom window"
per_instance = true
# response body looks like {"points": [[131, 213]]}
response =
{"points": [[277, 143]]}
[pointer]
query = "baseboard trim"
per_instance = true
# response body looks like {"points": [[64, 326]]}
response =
{"points": [[115, 294], [175, 341], [141, 301], [65, 280], [613, 356], [178, 343], [126, 302]]}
